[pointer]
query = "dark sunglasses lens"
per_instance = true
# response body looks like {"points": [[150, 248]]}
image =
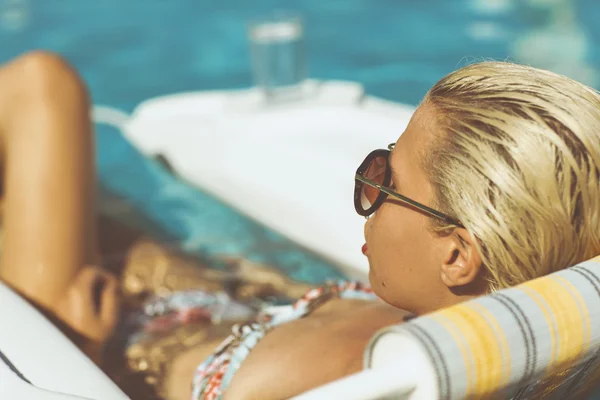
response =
{"points": [[376, 172]]}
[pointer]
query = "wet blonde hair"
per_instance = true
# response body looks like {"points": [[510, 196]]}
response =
{"points": [[518, 163]]}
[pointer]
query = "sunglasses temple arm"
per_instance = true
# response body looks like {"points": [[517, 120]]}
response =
{"points": [[422, 207]]}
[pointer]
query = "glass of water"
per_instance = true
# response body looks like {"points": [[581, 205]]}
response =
{"points": [[278, 52]]}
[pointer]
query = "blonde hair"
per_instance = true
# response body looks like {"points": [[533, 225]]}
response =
{"points": [[518, 164]]}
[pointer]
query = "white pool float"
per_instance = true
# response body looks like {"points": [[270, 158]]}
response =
{"points": [[290, 166]]}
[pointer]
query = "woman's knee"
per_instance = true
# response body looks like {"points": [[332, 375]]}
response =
{"points": [[49, 78]]}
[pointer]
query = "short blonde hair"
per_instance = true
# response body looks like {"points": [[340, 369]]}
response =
{"points": [[518, 163]]}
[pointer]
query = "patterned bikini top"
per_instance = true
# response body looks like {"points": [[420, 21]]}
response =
{"points": [[214, 375]]}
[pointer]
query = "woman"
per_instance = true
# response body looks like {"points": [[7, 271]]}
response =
{"points": [[494, 182], [498, 180]]}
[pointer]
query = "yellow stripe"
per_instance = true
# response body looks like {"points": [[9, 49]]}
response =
{"points": [[449, 325], [585, 324], [569, 325], [506, 357], [535, 296], [486, 350], [482, 348]]}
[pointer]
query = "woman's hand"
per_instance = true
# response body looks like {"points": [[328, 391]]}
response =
{"points": [[90, 306]]}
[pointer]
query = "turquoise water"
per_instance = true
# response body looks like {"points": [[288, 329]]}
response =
{"points": [[131, 50], [128, 51], [199, 223]]}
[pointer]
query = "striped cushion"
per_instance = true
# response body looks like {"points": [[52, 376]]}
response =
{"points": [[539, 339]]}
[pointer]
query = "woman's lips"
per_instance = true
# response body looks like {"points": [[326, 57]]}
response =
{"points": [[365, 248]]}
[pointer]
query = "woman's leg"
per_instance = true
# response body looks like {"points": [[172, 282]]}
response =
{"points": [[47, 158]]}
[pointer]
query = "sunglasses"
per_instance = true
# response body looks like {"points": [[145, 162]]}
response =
{"points": [[371, 187]]}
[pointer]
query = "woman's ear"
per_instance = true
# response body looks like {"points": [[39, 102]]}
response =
{"points": [[462, 262]]}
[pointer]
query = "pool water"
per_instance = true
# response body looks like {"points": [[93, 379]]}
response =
{"points": [[130, 50]]}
